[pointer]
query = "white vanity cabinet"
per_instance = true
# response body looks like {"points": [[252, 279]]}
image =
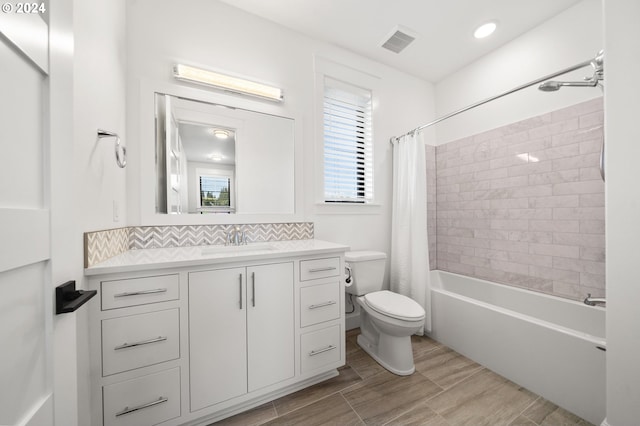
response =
{"points": [[192, 341], [241, 331], [136, 350]]}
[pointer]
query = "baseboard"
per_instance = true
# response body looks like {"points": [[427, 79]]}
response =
{"points": [[605, 423]]}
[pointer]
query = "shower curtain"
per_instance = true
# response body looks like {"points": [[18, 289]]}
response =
{"points": [[409, 241]]}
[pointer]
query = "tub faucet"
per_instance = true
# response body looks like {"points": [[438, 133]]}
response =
{"points": [[594, 301]]}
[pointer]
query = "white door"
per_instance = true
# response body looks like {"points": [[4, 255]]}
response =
{"points": [[26, 312], [270, 324], [28, 129]]}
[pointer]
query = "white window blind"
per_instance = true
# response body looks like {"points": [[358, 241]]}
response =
{"points": [[348, 151]]}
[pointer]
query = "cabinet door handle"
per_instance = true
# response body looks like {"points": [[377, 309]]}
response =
{"points": [[240, 291], [137, 293], [128, 410], [321, 305], [327, 268], [140, 343], [319, 351], [253, 288]]}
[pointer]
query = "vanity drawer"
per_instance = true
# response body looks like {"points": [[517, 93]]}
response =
{"points": [[146, 400], [319, 303], [139, 291], [319, 268], [320, 348], [139, 340]]}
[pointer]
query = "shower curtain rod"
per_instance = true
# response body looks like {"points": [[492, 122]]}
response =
{"points": [[493, 98]]}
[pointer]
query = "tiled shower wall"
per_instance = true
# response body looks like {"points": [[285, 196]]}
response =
{"points": [[524, 204], [431, 205]]}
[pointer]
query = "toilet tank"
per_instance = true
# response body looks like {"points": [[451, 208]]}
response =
{"points": [[367, 271]]}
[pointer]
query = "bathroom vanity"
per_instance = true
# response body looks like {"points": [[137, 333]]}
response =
{"points": [[192, 335]]}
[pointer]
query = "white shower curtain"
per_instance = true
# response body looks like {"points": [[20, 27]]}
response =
{"points": [[409, 240]]}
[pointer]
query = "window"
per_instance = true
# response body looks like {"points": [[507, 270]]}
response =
{"points": [[215, 191], [348, 151]]}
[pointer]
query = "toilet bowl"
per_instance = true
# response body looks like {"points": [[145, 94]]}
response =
{"points": [[387, 319]]}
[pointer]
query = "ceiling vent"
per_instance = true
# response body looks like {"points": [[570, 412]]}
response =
{"points": [[399, 39]]}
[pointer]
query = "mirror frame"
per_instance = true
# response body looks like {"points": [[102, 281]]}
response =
{"points": [[147, 157]]}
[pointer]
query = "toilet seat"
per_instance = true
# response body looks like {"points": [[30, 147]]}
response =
{"points": [[394, 305]]}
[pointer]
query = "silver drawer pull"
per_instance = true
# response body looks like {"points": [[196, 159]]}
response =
{"points": [[321, 305], [319, 351], [137, 293], [327, 268], [128, 410], [143, 342]]}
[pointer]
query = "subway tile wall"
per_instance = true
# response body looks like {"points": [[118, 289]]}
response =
{"points": [[524, 204], [431, 205]]}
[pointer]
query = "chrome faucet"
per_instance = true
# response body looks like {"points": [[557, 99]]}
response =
{"points": [[594, 301], [236, 237]]}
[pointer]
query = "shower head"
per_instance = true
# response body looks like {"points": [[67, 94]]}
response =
{"points": [[598, 75], [552, 86]]}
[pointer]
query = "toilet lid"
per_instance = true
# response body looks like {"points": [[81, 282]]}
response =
{"points": [[394, 305]]}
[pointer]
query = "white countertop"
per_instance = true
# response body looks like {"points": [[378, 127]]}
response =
{"points": [[141, 260]]}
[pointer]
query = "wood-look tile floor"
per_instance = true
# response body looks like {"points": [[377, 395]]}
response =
{"points": [[447, 389]]}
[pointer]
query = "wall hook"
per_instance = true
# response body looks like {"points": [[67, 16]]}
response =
{"points": [[121, 150]]}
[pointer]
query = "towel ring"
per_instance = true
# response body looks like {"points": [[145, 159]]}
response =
{"points": [[121, 150]]}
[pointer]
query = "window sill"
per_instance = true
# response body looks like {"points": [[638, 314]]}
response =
{"points": [[348, 208]]}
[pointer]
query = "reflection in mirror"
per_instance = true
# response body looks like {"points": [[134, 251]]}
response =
{"points": [[211, 164], [198, 146]]}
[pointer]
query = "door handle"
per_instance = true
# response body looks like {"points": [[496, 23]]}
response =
{"points": [[240, 282], [253, 288]]}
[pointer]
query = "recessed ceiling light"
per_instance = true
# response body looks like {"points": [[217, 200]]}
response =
{"points": [[216, 157], [485, 30], [220, 134]]}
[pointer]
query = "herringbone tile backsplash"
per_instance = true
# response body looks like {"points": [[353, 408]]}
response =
{"points": [[102, 245]]}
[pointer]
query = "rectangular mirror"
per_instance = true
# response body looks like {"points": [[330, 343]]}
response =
{"points": [[217, 159]]}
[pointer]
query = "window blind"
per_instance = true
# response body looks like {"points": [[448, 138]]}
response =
{"points": [[348, 151], [214, 191]]}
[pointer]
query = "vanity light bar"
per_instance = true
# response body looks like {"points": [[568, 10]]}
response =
{"points": [[227, 82]]}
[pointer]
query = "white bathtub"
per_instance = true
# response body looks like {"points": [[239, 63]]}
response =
{"points": [[544, 343]]}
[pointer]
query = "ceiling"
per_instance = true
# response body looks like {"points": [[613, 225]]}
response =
{"points": [[444, 29], [200, 144]]}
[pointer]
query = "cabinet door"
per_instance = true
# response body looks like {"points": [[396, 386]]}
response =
{"points": [[270, 324], [217, 336]]}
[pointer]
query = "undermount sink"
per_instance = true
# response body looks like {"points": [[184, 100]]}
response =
{"points": [[237, 249]]}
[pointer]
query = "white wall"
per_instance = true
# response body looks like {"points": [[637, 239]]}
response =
{"points": [[219, 37], [571, 37], [622, 134], [99, 102], [99, 94]]}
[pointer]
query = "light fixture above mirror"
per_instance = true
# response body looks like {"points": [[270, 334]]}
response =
{"points": [[227, 82]]}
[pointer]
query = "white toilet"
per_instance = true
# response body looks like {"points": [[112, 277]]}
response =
{"points": [[387, 319]]}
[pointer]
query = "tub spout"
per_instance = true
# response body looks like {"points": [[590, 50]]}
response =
{"points": [[594, 301]]}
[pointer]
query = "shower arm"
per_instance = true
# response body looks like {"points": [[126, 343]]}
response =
{"points": [[597, 61]]}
